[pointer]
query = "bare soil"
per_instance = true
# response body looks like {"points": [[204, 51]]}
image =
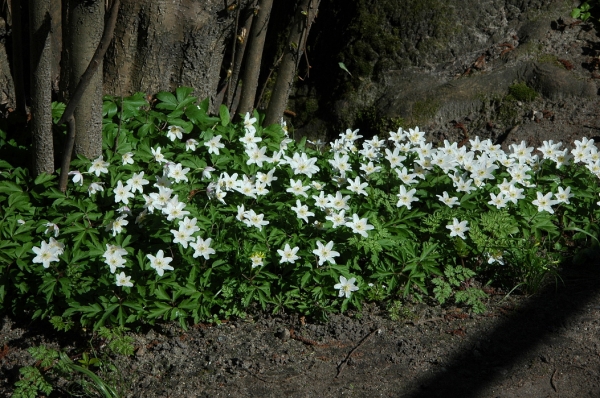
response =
{"points": [[545, 345]]}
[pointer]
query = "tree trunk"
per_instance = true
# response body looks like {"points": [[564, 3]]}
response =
{"points": [[305, 15], [17, 58], [253, 57], [41, 87], [233, 91], [83, 33], [162, 44]]}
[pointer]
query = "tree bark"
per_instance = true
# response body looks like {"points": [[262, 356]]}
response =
{"points": [[254, 54], [41, 87], [305, 15], [233, 91], [17, 57], [162, 44], [84, 31], [86, 78]]}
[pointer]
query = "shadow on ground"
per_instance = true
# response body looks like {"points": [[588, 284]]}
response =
{"points": [[524, 332]]}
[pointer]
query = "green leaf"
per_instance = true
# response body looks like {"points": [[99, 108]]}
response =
{"points": [[43, 178], [343, 67], [168, 101], [9, 186], [224, 113], [183, 92]]}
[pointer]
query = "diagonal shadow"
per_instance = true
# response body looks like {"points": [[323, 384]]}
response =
{"points": [[551, 309]]}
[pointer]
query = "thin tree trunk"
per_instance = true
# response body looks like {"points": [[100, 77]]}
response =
{"points": [[41, 87], [17, 56], [86, 78], [253, 57], [244, 33], [305, 15], [84, 31]]}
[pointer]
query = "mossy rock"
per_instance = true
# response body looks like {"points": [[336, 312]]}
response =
{"points": [[522, 92]]}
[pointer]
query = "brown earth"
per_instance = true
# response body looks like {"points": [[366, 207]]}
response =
{"points": [[545, 345]]}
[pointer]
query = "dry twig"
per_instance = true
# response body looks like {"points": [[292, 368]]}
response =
{"points": [[360, 343]]}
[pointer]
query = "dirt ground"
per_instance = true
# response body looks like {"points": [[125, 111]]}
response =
{"points": [[546, 345]]}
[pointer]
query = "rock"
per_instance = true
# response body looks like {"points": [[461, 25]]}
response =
{"points": [[283, 334]]}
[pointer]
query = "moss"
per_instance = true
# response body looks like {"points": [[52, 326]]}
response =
{"points": [[311, 105], [423, 111], [370, 122], [522, 92], [507, 113]]}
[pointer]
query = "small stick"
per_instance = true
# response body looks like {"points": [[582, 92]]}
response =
{"points": [[303, 339], [343, 363], [552, 383], [420, 322]]}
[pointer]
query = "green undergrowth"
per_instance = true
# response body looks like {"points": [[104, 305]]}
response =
{"points": [[188, 217]]}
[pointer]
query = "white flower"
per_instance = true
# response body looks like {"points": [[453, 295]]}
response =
{"points": [[181, 236], [137, 182], [359, 225], [268, 178], [174, 209], [123, 193], [189, 225], [255, 220], [77, 177], [99, 166], [499, 201], [495, 258], [447, 200], [117, 225], [288, 255], [257, 259], [127, 158], [175, 132], [158, 156], [338, 219], [405, 198], [124, 280], [115, 262], [406, 177], [190, 145], [458, 228], [249, 123], [256, 155], [297, 188], [356, 187], [544, 202], [57, 246], [326, 253], [95, 187], [114, 251], [346, 286], [206, 172], [338, 202], [45, 254], [52, 228], [214, 144], [321, 201], [370, 168], [202, 248], [302, 211], [159, 262], [177, 172], [563, 195]]}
